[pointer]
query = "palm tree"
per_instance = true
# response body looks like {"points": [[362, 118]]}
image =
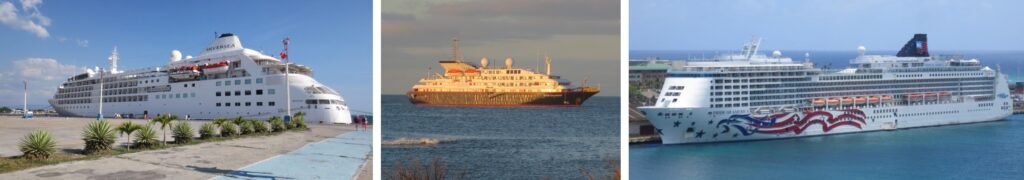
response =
{"points": [[127, 128], [165, 121]]}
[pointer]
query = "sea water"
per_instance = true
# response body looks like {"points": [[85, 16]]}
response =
{"points": [[505, 142]]}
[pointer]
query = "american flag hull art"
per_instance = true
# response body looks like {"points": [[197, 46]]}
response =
{"points": [[791, 122]]}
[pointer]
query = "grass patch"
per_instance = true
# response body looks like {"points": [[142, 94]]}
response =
{"points": [[15, 163]]}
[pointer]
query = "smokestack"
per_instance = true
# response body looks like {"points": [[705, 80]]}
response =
{"points": [[547, 60]]}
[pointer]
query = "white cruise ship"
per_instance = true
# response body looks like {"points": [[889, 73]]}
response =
{"points": [[748, 96], [224, 81]]}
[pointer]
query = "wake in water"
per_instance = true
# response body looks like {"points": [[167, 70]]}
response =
{"points": [[414, 141]]}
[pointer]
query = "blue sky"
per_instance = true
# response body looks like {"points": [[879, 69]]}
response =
{"points": [[825, 24], [45, 42]]}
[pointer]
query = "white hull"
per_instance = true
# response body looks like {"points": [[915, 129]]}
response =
{"points": [[697, 126]]}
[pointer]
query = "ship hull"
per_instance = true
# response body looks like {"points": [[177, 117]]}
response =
{"points": [[499, 99], [704, 125]]}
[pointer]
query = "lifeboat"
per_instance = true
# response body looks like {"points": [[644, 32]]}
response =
{"points": [[873, 99], [860, 100], [931, 95], [472, 71], [833, 101], [453, 71], [916, 96], [887, 98], [220, 67], [847, 100], [818, 102], [944, 93]]}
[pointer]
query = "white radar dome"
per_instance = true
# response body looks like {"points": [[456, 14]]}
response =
{"points": [[508, 63], [776, 53], [483, 62], [861, 49], [175, 55]]}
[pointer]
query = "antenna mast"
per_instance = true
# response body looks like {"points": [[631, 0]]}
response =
{"points": [[287, 84], [455, 49]]}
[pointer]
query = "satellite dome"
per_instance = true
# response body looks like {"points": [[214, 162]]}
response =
{"points": [[861, 49], [175, 55], [508, 63], [188, 57], [776, 53], [483, 62]]}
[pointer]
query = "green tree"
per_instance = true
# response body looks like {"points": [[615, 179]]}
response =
{"points": [[127, 128], [165, 121]]}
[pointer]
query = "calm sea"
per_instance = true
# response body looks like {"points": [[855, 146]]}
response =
{"points": [[992, 150], [503, 142]]}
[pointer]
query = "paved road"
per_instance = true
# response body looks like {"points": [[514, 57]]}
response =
{"points": [[339, 157]]}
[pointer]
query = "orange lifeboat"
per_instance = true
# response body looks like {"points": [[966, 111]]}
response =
{"points": [[873, 99], [916, 96], [944, 93], [887, 98], [454, 71], [860, 100], [847, 100], [472, 71], [833, 101], [818, 102]]}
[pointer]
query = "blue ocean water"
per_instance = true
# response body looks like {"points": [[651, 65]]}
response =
{"points": [[1011, 62], [505, 142], [991, 150]]}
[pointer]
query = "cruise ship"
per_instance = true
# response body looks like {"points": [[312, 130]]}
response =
{"points": [[465, 84], [225, 80], [748, 96]]}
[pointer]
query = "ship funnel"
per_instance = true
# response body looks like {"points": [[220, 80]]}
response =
{"points": [[225, 42], [916, 47], [508, 63], [483, 63], [175, 55], [547, 61]]}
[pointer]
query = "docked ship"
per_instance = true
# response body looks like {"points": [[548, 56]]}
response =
{"points": [[748, 96], [225, 80], [465, 84]]}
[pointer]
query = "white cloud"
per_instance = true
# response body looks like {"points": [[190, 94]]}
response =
{"points": [[32, 20], [44, 75], [83, 43]]}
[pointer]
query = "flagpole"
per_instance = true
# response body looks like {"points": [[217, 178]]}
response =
{"points": [[100, 116], [287, 83], [25, 103]]}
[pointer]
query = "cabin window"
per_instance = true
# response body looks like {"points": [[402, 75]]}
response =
{"points": [[248, 104], [259, 80], [259, 103], [248, 81], [238, 93], [218, 94], [218, 83], [270, 91], [259, 92], [238, 104], [238, 82], [227, 93], [218, 104], [271, 103], [248, 92]]}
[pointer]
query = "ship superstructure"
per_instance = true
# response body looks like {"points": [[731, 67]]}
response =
{"points": [[748, 96], [465, 84], [224, 81]]}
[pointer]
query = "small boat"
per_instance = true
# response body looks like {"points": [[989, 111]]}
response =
{"points": [[944, 93], [215, 68], [860, 100], [886, 98], [185, 72], [818, 102], [873, 99], [833, 101], [847, 100]]}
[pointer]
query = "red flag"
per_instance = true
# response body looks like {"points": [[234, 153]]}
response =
{"points": [[284, 55]]}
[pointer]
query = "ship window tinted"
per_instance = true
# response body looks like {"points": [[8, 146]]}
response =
{"points": [[248, 92], [248, 104], [238, 93], [218, 104], [218, 83], [270, 91], [311, 101], [227, 93], [271, 103], [227, 104], [218, 93], [238, 104], [238, 81], [324, 101], [259, 80], [259, 103], [259, 92], [227, 83], [248, 81]]}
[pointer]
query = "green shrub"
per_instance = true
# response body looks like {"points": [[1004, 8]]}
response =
{"points": [[38, 145], [246, 128], [207, 131], [98, 136], [183, 132], [127, 128], [221, 121], [239, 121], [277, 124], [146, 137], [299, 121], [228, 130], [260, 126]]}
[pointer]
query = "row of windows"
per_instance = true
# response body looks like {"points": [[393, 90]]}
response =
{"points": [[73, 95], [675, 88], [175, 96], [108, 92], [246, 92], [324, 101], [672, 93], [240, 82], [126, 98], [931, 113], [854, 77], [238, 104], [75, 101]]}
